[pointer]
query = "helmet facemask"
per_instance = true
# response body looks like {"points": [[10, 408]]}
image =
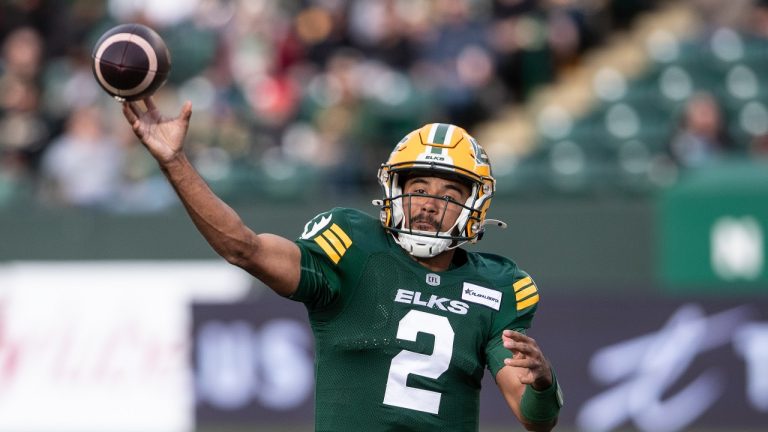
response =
{"points": [[423, 243], [457, 157]]}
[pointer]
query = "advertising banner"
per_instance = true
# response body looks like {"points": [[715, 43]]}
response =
{"points": [[713, 230], [102, 346], [648, 363], [253, 362]]}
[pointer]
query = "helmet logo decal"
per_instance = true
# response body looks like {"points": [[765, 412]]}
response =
{"points": [[401, 145], [435, 154], [480, 156]]}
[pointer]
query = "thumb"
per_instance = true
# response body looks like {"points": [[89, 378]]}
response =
{"points": [[186, 111]]}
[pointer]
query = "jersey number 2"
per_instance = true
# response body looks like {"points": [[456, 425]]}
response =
{"points": [[407, 362]]}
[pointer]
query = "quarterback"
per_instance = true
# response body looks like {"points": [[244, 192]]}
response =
{"points": [[405, 321]]}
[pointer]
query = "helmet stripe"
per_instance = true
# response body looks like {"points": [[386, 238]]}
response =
{"points": [[440, 133], [449, 135], [431, 134]]}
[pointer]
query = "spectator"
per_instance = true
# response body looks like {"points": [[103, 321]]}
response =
{"points": [[22, 53], [274, 71], [456, 55], [83, 166], [702, 136], [23, 130]]}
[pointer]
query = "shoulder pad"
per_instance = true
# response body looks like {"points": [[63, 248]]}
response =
{"points": [[526, 293], [326, 231]]}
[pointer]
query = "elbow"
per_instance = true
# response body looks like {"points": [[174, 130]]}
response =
{"points": [[236, 258], [238, 253]]}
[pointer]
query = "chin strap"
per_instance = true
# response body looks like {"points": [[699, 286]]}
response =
{"points": [[421, 246]]}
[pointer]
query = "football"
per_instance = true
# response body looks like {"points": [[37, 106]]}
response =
{"points": [[131, 61]]}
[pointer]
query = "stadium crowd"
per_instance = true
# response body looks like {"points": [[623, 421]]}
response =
{"points": [[281, 90]]}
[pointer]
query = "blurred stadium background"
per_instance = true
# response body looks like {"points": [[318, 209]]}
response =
{"points": [[629, 140]]}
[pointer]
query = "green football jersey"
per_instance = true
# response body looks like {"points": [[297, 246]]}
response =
{"points": [[399, 347]]}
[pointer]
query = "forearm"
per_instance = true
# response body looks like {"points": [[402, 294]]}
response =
{"points": [[537, 410], [219, 224], [272, 259]]}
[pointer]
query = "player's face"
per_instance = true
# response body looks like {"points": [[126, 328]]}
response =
{"points": [[434, 213]]}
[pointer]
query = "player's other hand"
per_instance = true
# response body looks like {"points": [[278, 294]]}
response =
{"points": [[533, 367], [162, 136]]}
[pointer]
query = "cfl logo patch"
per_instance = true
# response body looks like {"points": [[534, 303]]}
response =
{"points": [[433, 279]]}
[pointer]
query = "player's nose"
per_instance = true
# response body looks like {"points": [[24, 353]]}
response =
{"points": [[430, 204]]}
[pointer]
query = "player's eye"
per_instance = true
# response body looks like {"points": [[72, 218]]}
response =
{"points": [[454, 197]]}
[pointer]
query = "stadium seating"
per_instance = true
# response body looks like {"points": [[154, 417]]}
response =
{"points": [[619, 144]]}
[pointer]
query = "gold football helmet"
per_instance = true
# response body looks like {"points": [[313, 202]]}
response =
{"points": [[442, 150]]}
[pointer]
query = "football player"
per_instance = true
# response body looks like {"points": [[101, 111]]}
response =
{"points": [[405, 321]]}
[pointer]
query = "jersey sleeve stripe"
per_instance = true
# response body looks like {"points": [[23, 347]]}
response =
{"points": [[328, 249], [522, 283], [530, 301], [335, 242], [342, 235], [523, 293]]}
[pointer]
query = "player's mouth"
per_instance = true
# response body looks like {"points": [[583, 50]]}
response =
{"points": [[425, 224]]}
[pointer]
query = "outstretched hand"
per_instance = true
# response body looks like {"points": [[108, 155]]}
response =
{"points": [[533, 367], [162, 136]]}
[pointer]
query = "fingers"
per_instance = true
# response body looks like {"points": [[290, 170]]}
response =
{"points": [[185, 114], [132, 113], [518, 347], [522, 362], [149, 103], [128, 113], [520, 343], [527, 357], [515, 335]]}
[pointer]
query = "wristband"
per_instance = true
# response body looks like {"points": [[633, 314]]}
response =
{"points": [[542, 406]]}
